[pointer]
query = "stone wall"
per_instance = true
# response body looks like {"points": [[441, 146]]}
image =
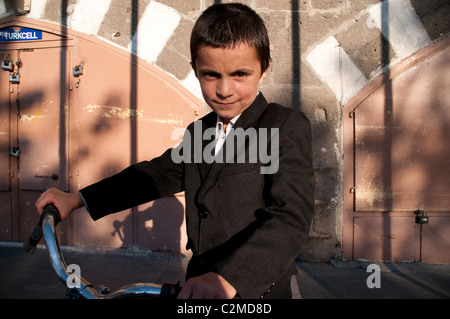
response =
{"points": [[324, 52]]}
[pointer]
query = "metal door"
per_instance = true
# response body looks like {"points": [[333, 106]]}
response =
{"points": [[398, 144], [5, 171], [33, 157]]}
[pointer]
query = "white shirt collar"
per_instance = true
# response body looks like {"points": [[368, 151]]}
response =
{"points": [[219, 125]]}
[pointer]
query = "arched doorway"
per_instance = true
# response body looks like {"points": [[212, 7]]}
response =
{"points": [[81, 110], [396, 163]]}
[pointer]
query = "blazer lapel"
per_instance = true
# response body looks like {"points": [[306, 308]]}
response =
{"points": [[249, 118], [208, 122]]}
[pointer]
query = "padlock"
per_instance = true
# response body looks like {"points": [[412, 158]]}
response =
{"points": [[422, 216]]}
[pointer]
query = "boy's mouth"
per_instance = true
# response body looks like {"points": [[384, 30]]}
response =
{"points": [[226, 105]]}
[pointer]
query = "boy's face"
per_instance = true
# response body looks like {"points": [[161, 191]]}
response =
{"points": [[229, 78]]}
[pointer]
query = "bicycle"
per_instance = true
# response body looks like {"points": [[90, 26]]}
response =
{"points": [[46, 227]]}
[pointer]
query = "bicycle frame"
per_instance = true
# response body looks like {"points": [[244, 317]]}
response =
{"points": [[46, 228]]}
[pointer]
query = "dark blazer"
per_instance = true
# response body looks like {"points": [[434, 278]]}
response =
{"points": [[246, 226]]}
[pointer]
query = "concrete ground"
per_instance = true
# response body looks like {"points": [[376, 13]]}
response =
{"points": [[25, 276]]}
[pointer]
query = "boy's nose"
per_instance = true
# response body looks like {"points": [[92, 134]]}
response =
{"points": [[224, 88]]}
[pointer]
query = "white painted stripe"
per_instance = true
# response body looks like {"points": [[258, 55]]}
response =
{"points": [[37, 9], [87, 16], [154, 30], [2, 7], [336, 69], [400, 26], [191, 83]]}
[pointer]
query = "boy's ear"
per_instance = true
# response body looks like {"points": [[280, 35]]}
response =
{"points": [[264, 75]]}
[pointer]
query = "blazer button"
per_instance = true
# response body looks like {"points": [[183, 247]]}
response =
{"points": [[202, 213]]}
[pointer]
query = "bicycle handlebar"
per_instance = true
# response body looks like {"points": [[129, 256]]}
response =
{"points": [[46, 227]]}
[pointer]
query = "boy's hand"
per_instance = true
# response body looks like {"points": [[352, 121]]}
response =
{"points": [[207, 286], [65, 202]]}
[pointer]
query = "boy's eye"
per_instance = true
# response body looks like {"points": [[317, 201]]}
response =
{"points": [[211, 75], [240, 74]]}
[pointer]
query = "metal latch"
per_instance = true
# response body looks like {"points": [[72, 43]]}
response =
{"points": [[14, 78], [7, 65], [77, 70], [14, 151], [53, 176]]}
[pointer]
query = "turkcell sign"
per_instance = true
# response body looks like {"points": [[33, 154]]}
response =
{"points": [[24, 34]]}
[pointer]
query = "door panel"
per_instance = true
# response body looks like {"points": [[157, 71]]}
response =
{"points": [[42, 105], [393, 238], [33, 118], [6, 231], [42, 129], [436, 240], [4, 125], [401, 155]]}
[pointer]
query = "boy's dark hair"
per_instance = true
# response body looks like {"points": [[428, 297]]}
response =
{"points": [[230, 24]]}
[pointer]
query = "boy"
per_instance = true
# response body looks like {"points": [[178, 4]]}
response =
{"points": [[245, 225]]}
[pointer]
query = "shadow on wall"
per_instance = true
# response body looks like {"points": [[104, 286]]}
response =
{"points": [[158, 226]]}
